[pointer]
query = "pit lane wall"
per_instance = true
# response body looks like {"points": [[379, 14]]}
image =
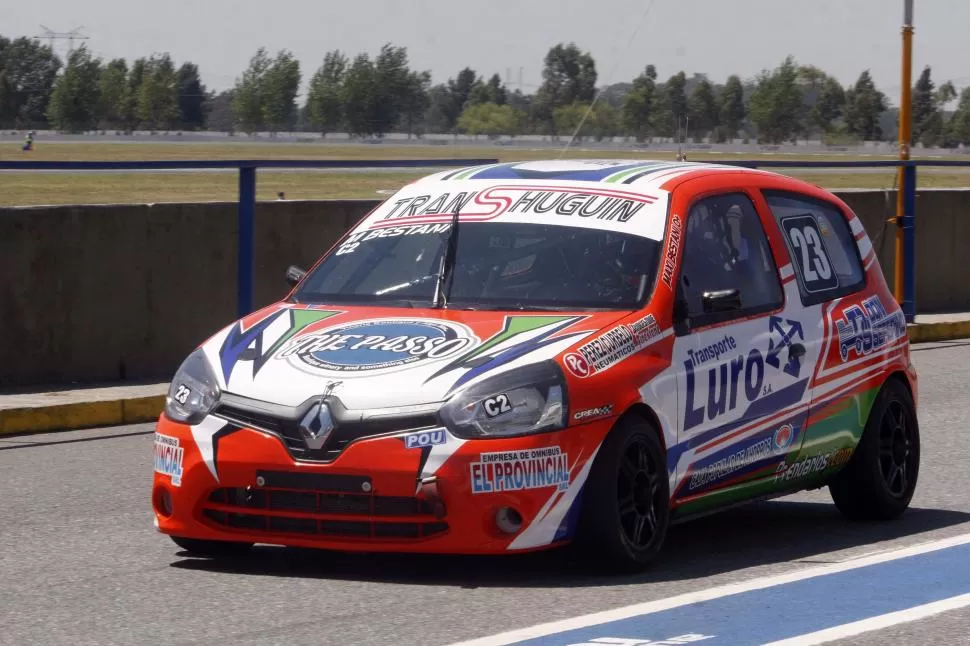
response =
{"points": [[123, 292]]}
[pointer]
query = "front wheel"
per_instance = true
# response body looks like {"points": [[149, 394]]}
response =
{"points": [[880, 478], [626, 500], [213, 549]]}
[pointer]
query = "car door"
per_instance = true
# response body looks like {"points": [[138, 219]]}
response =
{"points": [[743, 350], [853, 322]]}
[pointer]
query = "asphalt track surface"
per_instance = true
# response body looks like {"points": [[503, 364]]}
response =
{"points": [[82, 564]]}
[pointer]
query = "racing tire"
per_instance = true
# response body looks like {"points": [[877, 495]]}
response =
{"points": [[626, 500], [212, 549], [879, 480]]}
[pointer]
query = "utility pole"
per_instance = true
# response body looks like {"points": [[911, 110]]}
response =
{"points": [[905, 135], [70, 37]]}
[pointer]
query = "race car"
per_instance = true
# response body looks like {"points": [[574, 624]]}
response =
{"points": [[522, 356]]}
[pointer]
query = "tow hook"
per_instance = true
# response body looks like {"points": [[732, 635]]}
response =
{"points": [[428, 492]]}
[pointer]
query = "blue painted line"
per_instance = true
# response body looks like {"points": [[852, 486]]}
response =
{"points": [[797, 608]]}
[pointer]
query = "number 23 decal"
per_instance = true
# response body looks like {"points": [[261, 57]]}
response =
{"points": [[809, 253]]}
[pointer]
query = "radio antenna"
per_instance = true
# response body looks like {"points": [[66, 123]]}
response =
{"points": [[599, 93]]}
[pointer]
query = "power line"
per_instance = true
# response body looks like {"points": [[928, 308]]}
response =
{"points": [[69, 36]]}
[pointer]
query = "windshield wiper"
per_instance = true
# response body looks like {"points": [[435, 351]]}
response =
{"points": [[447, 267]]}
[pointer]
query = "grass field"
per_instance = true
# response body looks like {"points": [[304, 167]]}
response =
{"points": [[77, 188]]}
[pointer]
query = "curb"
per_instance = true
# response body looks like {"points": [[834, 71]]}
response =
{"points": [[80, 415], [926, 332], [137, 410]]}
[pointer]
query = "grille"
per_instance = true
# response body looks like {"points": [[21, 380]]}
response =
{"points": [[343, 434], [321, 513]]}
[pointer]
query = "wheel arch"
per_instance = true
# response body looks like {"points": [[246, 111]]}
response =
{"points": [[647, 414]]}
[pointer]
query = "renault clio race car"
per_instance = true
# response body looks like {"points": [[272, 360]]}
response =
{"points": [[518, 356]]}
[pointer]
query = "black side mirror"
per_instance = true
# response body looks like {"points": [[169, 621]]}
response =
{"points": [[294, 275], [681, 320], [723, 300]]}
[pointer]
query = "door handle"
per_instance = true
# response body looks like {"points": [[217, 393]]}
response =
{"points": [[796, 351]]}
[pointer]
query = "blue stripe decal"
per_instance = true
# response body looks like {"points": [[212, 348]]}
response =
{"points": [[777, 401], [511, 171], [797, 608]]}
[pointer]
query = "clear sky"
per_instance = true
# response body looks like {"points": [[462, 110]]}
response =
{"points": [[717, 37]]}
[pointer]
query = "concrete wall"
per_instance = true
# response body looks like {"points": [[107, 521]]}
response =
{"points": [[102, 293]]}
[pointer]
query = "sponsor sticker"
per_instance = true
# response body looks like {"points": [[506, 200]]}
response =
{"points": [[497, 405], [593, 413], [168, 458], [425, 439], [670, 256], [868, 328], [499, 472], [723, 376], [812, 465], [377, 345], [613, 346], [783, 437]]}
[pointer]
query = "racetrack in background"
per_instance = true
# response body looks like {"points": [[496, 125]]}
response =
{"points": [[82, 564], [27, 188]]}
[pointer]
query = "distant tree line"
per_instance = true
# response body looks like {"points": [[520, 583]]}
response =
{"points": [[372, 96]]}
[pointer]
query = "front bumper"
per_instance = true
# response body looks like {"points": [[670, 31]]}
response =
{"points": [[433, 493]]}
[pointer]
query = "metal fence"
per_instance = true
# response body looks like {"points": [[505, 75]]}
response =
{"points": [[906, 292]]}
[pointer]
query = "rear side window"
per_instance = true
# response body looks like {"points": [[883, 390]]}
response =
{"points": [[821, 245]]}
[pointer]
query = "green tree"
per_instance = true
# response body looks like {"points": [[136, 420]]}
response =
{"points": [[219, 113], [391, 82], [74, 101], [191, 97], [28, 71], [480, 94], [639, 104], [325, 99], [568, 76], [490, 119], [829, 105], [673, 106], [497, 93], [777, 105], [924, 104], [864, 105], [731, 110], [440, 104], [414, 100], [359, 90], [703, 110], [113, 91], [278, 90], [248, 93], [135, 79], [959, 126], [459, 90], [158, 94]]}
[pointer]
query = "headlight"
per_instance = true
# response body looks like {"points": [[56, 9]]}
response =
{"points": [[193, 392], [531, 399]]}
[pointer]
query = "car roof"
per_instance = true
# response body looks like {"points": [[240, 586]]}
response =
{"points": [[637, 174]]}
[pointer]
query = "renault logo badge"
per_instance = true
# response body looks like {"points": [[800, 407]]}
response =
{"points": [[316, 426]]}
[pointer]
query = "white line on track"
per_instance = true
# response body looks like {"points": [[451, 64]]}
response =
{"points": [[876, 623], [650, 607]]}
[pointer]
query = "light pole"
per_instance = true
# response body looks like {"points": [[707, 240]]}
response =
{"points": [[905, 134]]}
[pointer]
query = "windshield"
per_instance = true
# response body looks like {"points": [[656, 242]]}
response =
{"points": [[497, 266]]}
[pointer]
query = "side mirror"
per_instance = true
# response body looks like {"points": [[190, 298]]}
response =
{"points": [[723, 300], [294, 275], [681, 320]]}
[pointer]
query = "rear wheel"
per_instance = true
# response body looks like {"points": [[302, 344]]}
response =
{"points": [[626, 500], [215, 549], [879, 481]]}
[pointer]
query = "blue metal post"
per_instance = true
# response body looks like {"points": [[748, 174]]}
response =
{"points": [[246, 256], [909, 243]]}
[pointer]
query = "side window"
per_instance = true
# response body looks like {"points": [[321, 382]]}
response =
{"points": [[725, 248], [821, 245]]}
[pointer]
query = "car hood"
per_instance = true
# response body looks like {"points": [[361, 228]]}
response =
{"points": [[383, 357]]}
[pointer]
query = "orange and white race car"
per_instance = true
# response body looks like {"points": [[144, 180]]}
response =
{"points": [[517, 356]]}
